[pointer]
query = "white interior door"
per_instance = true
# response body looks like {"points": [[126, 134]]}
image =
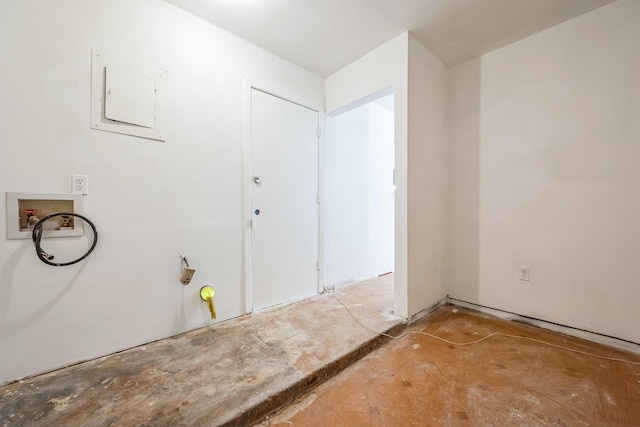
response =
{"points": [[284, 188]]}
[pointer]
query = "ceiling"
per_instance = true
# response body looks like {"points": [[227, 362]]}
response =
{"points": [[323, 36]]}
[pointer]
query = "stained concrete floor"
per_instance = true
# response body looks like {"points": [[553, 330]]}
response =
{"points": [[238, 372], [502, 381], [230, 373]]}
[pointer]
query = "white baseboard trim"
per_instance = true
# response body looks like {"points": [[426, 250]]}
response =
{"points": [[567, 330]]}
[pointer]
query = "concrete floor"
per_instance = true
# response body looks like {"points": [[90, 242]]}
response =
{"points": [[231, 373], [238, 372], [503, 381]]}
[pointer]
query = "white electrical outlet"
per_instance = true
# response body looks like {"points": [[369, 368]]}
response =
{"points": [[79, 184], [524, 273]]}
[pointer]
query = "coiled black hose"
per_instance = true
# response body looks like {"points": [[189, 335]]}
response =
{"points": [[36, 235]]}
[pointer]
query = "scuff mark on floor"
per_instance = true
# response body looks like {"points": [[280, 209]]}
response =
{"points": [[609, 399], [61, 403]]}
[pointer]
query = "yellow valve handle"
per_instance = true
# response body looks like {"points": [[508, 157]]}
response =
{"points": [[206, 293]]}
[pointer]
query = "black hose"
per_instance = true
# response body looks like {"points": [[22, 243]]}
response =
{"points": [[36, 236]]}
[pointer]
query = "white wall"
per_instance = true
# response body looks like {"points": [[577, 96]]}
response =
{"points": [[419, 80], [358, 193], [383, 67], [543, 150], [148, 199], [427, 178], [378, 70], [544, 174]]}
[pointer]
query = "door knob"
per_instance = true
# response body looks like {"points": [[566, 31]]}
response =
{"points": [[257, 179]]}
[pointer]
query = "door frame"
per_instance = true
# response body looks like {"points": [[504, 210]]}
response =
{"points": [[283, 94]]}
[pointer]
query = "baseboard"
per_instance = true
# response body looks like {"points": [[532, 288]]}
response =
{"points": [[427, 311], [618, 343]]}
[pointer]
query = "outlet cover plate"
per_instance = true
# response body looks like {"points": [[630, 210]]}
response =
{"points": [[79, 184]]}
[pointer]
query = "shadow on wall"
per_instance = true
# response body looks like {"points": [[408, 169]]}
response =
{"points": [[7, 285], [464, 180]]}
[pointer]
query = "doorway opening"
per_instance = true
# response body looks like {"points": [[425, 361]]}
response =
{"points": [[359, 191]]}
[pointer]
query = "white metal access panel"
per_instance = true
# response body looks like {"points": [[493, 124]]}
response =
{"points": [[284, 200]]}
